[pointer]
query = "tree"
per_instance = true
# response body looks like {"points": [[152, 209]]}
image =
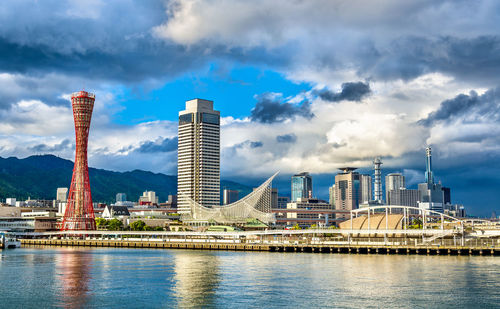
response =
{"points": [[115, 225], [138, 225], [101, 222], [158, 228], [296, 227], [416, 224]]}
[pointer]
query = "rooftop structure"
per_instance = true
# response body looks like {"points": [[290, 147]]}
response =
{"points": [[347, 169], [251, 206]]}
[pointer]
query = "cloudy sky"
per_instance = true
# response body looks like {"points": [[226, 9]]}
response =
{"points": [[301, 85]]}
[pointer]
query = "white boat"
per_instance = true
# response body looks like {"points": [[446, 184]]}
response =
{"points": [[9, 242]]}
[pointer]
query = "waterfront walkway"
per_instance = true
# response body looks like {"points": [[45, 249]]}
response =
{"points": [[438, 241]]}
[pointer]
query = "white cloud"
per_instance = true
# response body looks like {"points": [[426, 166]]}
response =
{"points": [[274, 23]]}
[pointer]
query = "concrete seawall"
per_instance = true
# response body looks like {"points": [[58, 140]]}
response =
{"points": [[314, 248]]}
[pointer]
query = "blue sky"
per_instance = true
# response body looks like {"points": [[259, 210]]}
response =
{"points": [[232, 88], [301, 85]]}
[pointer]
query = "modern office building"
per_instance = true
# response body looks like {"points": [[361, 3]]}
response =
{"points": [[393, 181], [148, 197], [301, 186], [282, 201], [377, 185], [455, 210], [447, 195], [366, 188], [198, 160], [230, 196], [62, 194], [347, 191], [403, 197], [331, 194], [121, 197], [274, 198], [310, 215], [172, 200]]}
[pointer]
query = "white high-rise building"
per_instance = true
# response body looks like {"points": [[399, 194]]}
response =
{"points": [[393, 181], [198, 159], [62, 194], [366, 188], [148, 197]]}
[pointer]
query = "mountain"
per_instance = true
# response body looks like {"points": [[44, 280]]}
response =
{"points": [[39, 176]]}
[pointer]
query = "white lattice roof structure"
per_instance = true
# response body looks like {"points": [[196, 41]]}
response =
{"points": [[255, 205]]}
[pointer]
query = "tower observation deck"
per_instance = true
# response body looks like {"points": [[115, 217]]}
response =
{"points": [[79, 214]]}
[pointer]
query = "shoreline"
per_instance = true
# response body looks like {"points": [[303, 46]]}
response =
{"points": [[311, 248]]}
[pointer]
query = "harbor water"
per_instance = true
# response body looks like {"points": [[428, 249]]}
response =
{"points": [[157, 278]]}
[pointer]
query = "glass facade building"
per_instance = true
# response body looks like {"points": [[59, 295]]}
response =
{"points": [[301, 186]]}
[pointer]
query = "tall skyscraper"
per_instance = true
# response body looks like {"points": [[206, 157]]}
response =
{"points": [[431, 195], [301, 186], [331, 194], [403, 197], [198, 160], [347, 191], [447, 195], [393, 181], [79, 212], [366, 188], [377, 186]]}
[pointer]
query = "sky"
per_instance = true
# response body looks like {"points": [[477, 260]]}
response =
{"points": [[301, 86]]}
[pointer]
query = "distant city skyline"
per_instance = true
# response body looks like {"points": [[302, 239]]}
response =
{"points": [[301, 86]]}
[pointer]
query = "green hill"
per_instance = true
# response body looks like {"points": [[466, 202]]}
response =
{"points": [[39, 176]]}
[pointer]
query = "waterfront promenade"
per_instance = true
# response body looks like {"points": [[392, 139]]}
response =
{"points": [[431, 241], [355, 247]]}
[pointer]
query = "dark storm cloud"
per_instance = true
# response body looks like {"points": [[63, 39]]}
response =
{"points": [[353, 91], [287, 138], [471, 106], [270, 110], [256, 144], [248, 143], [93, 44], [43, 148], [164, 145], [148, 59], [473, 59]]}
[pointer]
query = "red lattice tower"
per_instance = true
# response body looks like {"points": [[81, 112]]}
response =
{"points": [[79, 214]]}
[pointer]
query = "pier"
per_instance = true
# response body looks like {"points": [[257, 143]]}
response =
{"points": [[422, 242], [312, 248]]}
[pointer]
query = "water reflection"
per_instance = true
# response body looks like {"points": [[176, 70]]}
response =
{"points": [[73, 269], [131, 278], [196, 279]]}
